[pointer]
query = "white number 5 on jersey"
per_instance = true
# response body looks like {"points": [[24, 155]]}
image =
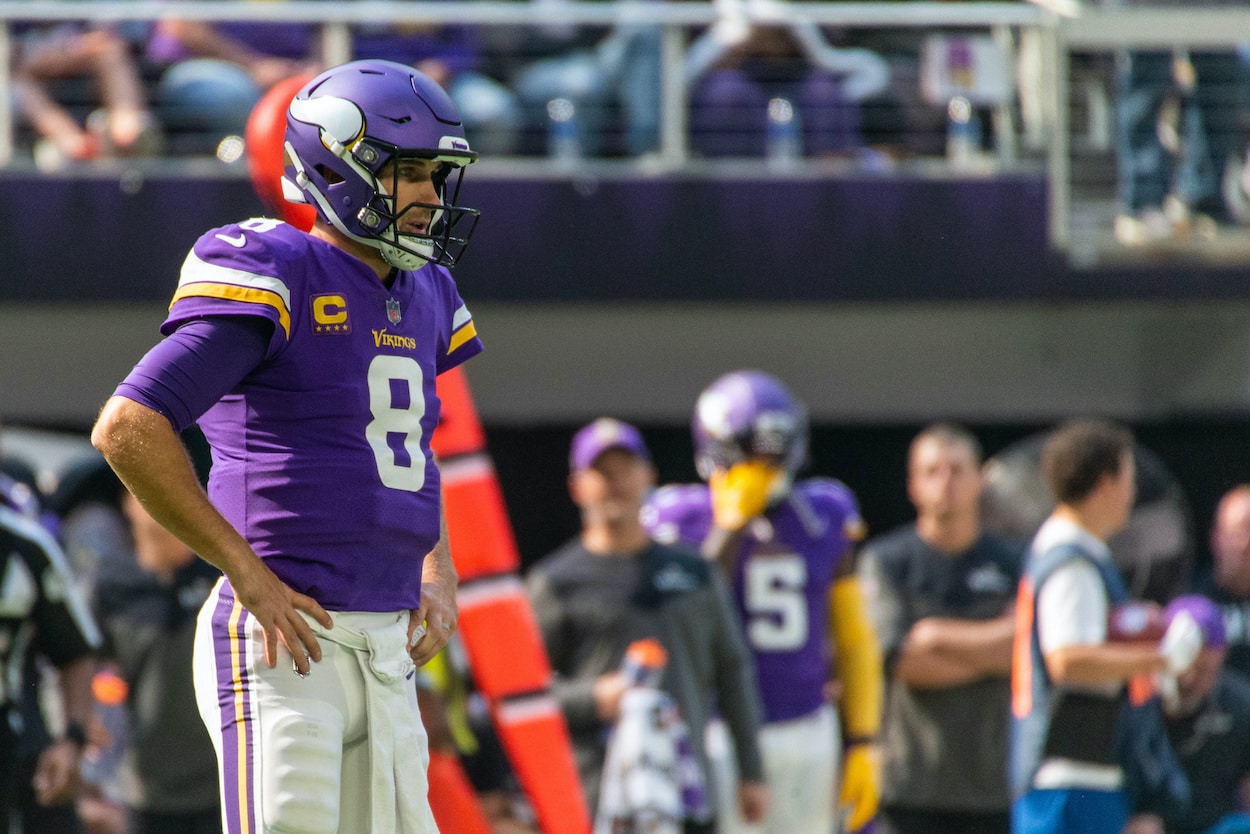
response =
{"points": [[776, 603]]}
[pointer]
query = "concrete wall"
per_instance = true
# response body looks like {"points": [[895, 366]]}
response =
{"points": [[858, 363]]}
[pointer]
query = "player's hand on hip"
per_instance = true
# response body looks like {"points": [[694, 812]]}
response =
{"points": [[277, 608], [754, 799], [431, 625]]}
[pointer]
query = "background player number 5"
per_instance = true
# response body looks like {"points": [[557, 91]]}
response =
{"points": [[776, 602]]}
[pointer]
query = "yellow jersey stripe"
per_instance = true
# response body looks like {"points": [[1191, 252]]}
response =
{"points": [[233, 293], [461, 336], [196, 271]]}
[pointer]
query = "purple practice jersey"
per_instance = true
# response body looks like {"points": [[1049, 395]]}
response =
{"points": [[321, 455], [781, 581]]}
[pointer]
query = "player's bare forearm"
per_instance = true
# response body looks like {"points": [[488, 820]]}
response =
{"points": [[148, 457], [933, 670], [438, 613], [984, 645], [438, 566], [145, 452], [1102, 663]]}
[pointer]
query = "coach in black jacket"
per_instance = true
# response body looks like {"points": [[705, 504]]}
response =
{"points": [[611, 586]]}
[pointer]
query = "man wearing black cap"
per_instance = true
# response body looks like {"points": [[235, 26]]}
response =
{"points": [[612, 585]]}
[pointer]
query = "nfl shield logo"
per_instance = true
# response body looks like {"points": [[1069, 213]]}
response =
{"points": [[392, 311]]}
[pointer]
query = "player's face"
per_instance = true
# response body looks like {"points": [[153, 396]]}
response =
{"points": [[1230, 542], [943, 479], [613, 489], [415, 181]]}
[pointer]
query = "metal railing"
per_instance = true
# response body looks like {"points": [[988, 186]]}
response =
{"points": [[1054, 30]]}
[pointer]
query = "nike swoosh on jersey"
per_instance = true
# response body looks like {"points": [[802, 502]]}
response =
{"points": [[237, 242]]}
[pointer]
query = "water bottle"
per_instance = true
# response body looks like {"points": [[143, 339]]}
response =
{"points": [[564, 137], [644, 663], [784, 147], [963, 133]]}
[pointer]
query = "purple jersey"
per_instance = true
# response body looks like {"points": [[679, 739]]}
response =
{"points": [[781, 581], [321, 455]]}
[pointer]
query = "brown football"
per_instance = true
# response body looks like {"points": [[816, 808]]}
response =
{"points": [[1136, 622]]}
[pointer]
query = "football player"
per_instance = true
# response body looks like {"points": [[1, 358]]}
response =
{"points": [[788, 548], [309, 361]]}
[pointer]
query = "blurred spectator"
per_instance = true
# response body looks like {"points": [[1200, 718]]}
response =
{"points": [[214, 73], [449, 55], [169, 771], [739, 74], [123, 124], [1068, 678], [1181, 119], [596, 75], [613, 585], [941, 593], [1208, 725], [1228, 581], [41, 615]]}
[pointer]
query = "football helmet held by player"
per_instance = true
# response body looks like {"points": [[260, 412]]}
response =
{"points": [[346, 125]]}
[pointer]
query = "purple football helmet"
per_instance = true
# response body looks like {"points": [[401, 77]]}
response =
{"points": [[747, 414], [345, 125]]}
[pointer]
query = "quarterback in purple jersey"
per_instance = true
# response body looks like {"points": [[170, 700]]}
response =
{"points": [[309, 362], [788, 548]]}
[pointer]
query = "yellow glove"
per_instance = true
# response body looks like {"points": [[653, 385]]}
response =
{"points": [[741, 492], [861, 784]]}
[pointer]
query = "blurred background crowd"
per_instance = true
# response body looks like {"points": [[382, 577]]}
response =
{"points": [[1154, 131]]}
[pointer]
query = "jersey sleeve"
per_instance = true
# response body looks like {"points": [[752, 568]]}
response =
{"points": [[238, 270], [680, 515], [836, 502], [462, 342], [190, 370]]}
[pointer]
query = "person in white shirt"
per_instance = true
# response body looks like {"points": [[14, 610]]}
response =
{"points": [[1069, 683]]}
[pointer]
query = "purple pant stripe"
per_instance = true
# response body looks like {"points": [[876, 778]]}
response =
{"points": [[230, 627]]}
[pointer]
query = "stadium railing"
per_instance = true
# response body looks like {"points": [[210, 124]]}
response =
{"points": [[1039, 39]]}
